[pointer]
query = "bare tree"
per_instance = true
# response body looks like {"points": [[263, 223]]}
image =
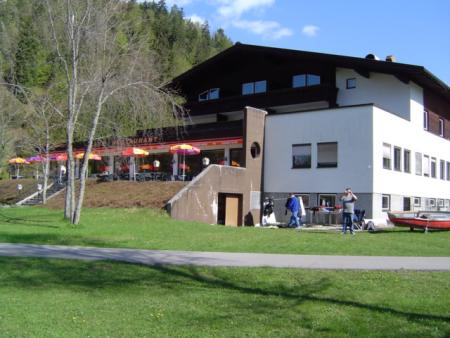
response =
{"points": [[43, 126], [103, 65]]}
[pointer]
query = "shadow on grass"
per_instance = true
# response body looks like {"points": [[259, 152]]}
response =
{"points": [[47, 238], [49, 273], [35, 220]]}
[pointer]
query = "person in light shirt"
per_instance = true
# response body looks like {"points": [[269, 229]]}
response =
{"points": [[348, 209]]}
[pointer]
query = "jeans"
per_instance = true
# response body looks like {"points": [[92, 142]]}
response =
{"points": [[295, 219], [347, 222]]}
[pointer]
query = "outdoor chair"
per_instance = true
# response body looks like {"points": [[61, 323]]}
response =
{"points": [[358, 219]]}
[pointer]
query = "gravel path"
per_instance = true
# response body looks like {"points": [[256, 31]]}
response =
{"points": [[160, 257]]}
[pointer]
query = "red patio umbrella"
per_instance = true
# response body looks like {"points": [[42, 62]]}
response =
{"points": [[133, 152], [59, 157]]}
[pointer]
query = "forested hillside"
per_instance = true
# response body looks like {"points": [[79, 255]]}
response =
{"points": [[178, 43], [35, 81]]}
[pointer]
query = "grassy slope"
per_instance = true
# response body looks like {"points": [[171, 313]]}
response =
{"points": [[149, 229], [124, 194], [9, 193], [56, 298]]}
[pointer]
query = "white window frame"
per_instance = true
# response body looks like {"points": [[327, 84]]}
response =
{"points": [[433, 167], [397, 161], [442, 169], [441, 127], [426, 164], [388, 198], [418, 165], [425, 120], [406, 161], [389, 158], [447, 169], [417, 201]]}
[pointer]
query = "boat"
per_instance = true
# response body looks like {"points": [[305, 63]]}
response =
{"points": [[421, 219]]}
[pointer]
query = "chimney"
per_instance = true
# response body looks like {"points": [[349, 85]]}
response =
{"points": [[390, 58], [372, 57]]}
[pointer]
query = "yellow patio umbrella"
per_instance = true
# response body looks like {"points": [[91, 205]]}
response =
{"points": [[92, 156], [16, 161], [184, 149]]}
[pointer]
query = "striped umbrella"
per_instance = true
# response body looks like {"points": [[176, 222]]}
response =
{"points": [[184, 149]]}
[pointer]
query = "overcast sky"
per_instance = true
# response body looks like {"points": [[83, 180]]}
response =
{"points": [[415, 31]]}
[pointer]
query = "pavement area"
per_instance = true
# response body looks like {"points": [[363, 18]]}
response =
{"points": [[161, 257]]}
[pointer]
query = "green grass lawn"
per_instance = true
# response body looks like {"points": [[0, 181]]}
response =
{"points": [[58, 298], [149, 229]]}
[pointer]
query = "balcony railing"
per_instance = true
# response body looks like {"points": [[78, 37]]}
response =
{"points": [[266, 100]]}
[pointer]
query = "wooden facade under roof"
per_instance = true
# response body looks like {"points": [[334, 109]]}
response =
{"points": [[247, 63]]}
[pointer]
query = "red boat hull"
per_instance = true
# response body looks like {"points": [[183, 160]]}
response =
{"points": [[417, 222]]}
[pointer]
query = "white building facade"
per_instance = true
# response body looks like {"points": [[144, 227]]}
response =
{"points": [[376, 143]]}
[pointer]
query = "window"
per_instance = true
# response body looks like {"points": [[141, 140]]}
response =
{"points": [[210, 94], [254, 87], [327, 200], [406, 161], [418, 164], [351, 83], [441, 127], [425, 120], [426, 165], [397, 159], [305, 199], [431, 202], [327, 155], [312, 80], [442, 170], [433, 167], [448, 171], [417, 202], [299, 81], [301, 156], [440, 203], [386, 156], [305, 80], [385, 202]]}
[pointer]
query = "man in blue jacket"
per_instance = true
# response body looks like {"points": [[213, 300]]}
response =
{"points": [[293, 205]]}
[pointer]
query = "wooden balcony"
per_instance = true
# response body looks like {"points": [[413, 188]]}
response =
{"points": [[272, 98]]}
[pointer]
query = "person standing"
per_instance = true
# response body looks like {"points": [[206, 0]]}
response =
{"points": [[293, 205], [348, 209]]}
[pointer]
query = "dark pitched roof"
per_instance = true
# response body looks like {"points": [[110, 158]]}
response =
{"points": [[405, 72]]}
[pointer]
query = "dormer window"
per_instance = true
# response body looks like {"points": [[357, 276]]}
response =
{"points": [[305, 80], [210, 94], [250, 88]]}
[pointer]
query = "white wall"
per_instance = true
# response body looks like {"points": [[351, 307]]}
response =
{"points": [[384, 90], [390, 129], [350, 127], [393, 130]]}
